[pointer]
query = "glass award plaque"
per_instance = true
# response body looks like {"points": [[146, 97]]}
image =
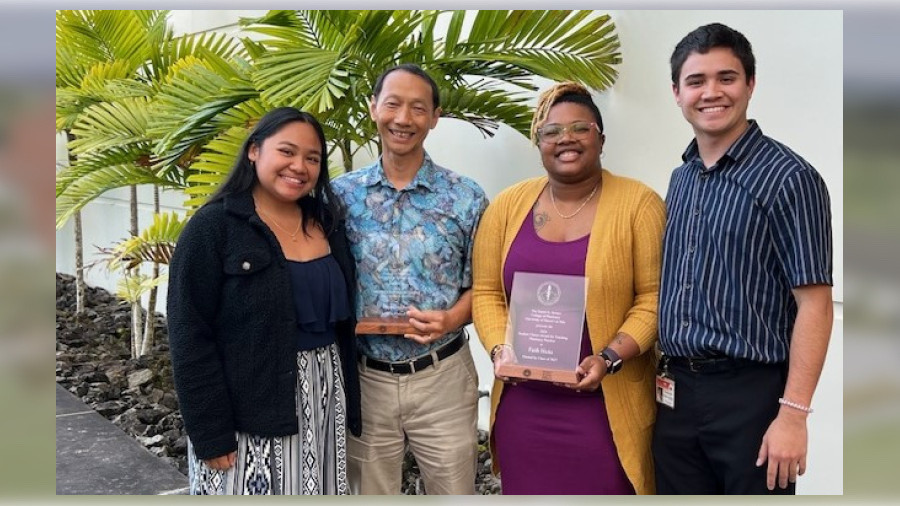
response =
{"points": [[546, 321]]}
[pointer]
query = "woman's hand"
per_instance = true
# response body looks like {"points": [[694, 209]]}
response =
{"points": [[503, 355], [591, 371], [221, 463]]}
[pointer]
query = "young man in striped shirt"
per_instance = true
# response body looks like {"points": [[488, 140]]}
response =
{"points": [[745, 299]]}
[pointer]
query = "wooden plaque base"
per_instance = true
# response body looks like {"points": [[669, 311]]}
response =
{"points": [[537, 373], [395, 325]]}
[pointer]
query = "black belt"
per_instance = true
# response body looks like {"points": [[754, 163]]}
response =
{"points": [[710, 364], [411, 366]]}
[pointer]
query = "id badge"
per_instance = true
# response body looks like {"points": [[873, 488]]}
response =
{"points": [[665, 390]]}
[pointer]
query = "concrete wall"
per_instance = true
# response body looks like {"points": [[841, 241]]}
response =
{"points": [[798, 100]]}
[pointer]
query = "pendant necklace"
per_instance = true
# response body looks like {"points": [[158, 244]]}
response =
{"points": [[293, 235], [567, 216]]}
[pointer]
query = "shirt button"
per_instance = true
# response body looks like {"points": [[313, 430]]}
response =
{"points": [[690, 249], [245, 266], [685, 323], [687, 286], [696, 211]]}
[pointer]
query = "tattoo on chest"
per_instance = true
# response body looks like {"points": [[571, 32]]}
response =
{"points": [[540, 217]]}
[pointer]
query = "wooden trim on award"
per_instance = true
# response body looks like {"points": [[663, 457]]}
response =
{"points": [[385, 325], [537, 373]]}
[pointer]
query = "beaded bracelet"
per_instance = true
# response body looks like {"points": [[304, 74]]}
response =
{"points": [[792, 404]]}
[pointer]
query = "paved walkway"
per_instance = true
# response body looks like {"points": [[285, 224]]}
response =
{"points": [[93, 456]]}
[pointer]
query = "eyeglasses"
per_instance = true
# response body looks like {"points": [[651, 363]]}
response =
{"points": [[554, 132]]}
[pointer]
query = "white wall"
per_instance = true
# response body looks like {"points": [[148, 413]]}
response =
{"points": [[798, 100]]}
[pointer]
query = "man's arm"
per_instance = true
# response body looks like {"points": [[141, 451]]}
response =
{"points": [[784, 445], [434, 324]]}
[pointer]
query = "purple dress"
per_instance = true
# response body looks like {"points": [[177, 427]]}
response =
{"points": [[550, 439]]}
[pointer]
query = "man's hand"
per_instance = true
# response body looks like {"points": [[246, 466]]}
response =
{"points": [[784, 447], [221, 463], [430, 324]]}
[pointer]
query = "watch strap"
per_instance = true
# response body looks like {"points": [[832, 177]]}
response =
{"points": [[613, 360]]}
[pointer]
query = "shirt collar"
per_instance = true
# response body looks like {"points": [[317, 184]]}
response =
{"points": [[240, 204], [739, 149], [426, 176]]}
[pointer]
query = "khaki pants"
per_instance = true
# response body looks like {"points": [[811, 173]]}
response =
{"points": [[436, 409]]}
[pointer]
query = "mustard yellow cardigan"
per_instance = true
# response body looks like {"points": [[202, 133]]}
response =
{"points": [[623, 265]]}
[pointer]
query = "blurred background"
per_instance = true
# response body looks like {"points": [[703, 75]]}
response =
{"points": [[26, 245], [872, 250], [871, 73]]}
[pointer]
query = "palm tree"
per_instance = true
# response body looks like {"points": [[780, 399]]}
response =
{"points": [[155, 245], [109, 66], [326, 62], [94, 50]]}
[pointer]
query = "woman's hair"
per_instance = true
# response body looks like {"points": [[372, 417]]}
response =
{"points": [[558, 93], [320, 204]]}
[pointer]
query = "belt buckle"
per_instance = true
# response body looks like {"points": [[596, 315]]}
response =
{"points": [[692, 365], [412, 367]]}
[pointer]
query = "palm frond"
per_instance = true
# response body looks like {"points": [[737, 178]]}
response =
{"points": [[98, 160], [102, 35], [90, 184], [109, 125], [213, 165], [208, 46], [155, 244], [284, 29], [559, 45], [311, 79], [131, 288], [487, 108], [188, 110]]}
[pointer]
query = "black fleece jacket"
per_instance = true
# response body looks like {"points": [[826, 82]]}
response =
{"points": [[232, 328]]}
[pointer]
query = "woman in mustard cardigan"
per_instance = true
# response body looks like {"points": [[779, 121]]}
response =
{"points": [[592, 437]]}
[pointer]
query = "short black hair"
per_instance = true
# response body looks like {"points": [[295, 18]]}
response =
{"points": [[710, 36], [415, 70], [320, 205], [586, 101]]}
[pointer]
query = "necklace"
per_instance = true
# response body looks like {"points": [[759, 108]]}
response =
{"points": [[567, 216], [293, 235]]}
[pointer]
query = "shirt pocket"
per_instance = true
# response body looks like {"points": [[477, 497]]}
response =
{"points": [[249, 286], [246, 262]]}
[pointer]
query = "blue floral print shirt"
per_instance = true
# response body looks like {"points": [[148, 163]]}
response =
{"points": [[413, 247]]}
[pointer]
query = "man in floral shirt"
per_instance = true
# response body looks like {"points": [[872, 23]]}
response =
{"points": [[411, 224]]}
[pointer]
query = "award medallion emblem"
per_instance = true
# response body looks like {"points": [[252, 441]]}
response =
{"points": [[548, 293]]}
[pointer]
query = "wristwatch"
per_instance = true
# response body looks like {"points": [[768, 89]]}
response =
{"points": [[612, 359]]}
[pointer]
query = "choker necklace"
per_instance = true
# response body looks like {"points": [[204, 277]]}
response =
{"points": [[293, 235], [567, 216]]}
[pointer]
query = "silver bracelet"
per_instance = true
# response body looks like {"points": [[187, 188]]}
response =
{"points": [[792, 404]]}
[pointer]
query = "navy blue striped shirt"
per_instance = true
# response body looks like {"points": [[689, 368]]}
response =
{"points": [[739, 236]]}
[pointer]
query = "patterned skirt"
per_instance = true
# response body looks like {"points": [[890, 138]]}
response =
{"points": [[311, 462]]}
